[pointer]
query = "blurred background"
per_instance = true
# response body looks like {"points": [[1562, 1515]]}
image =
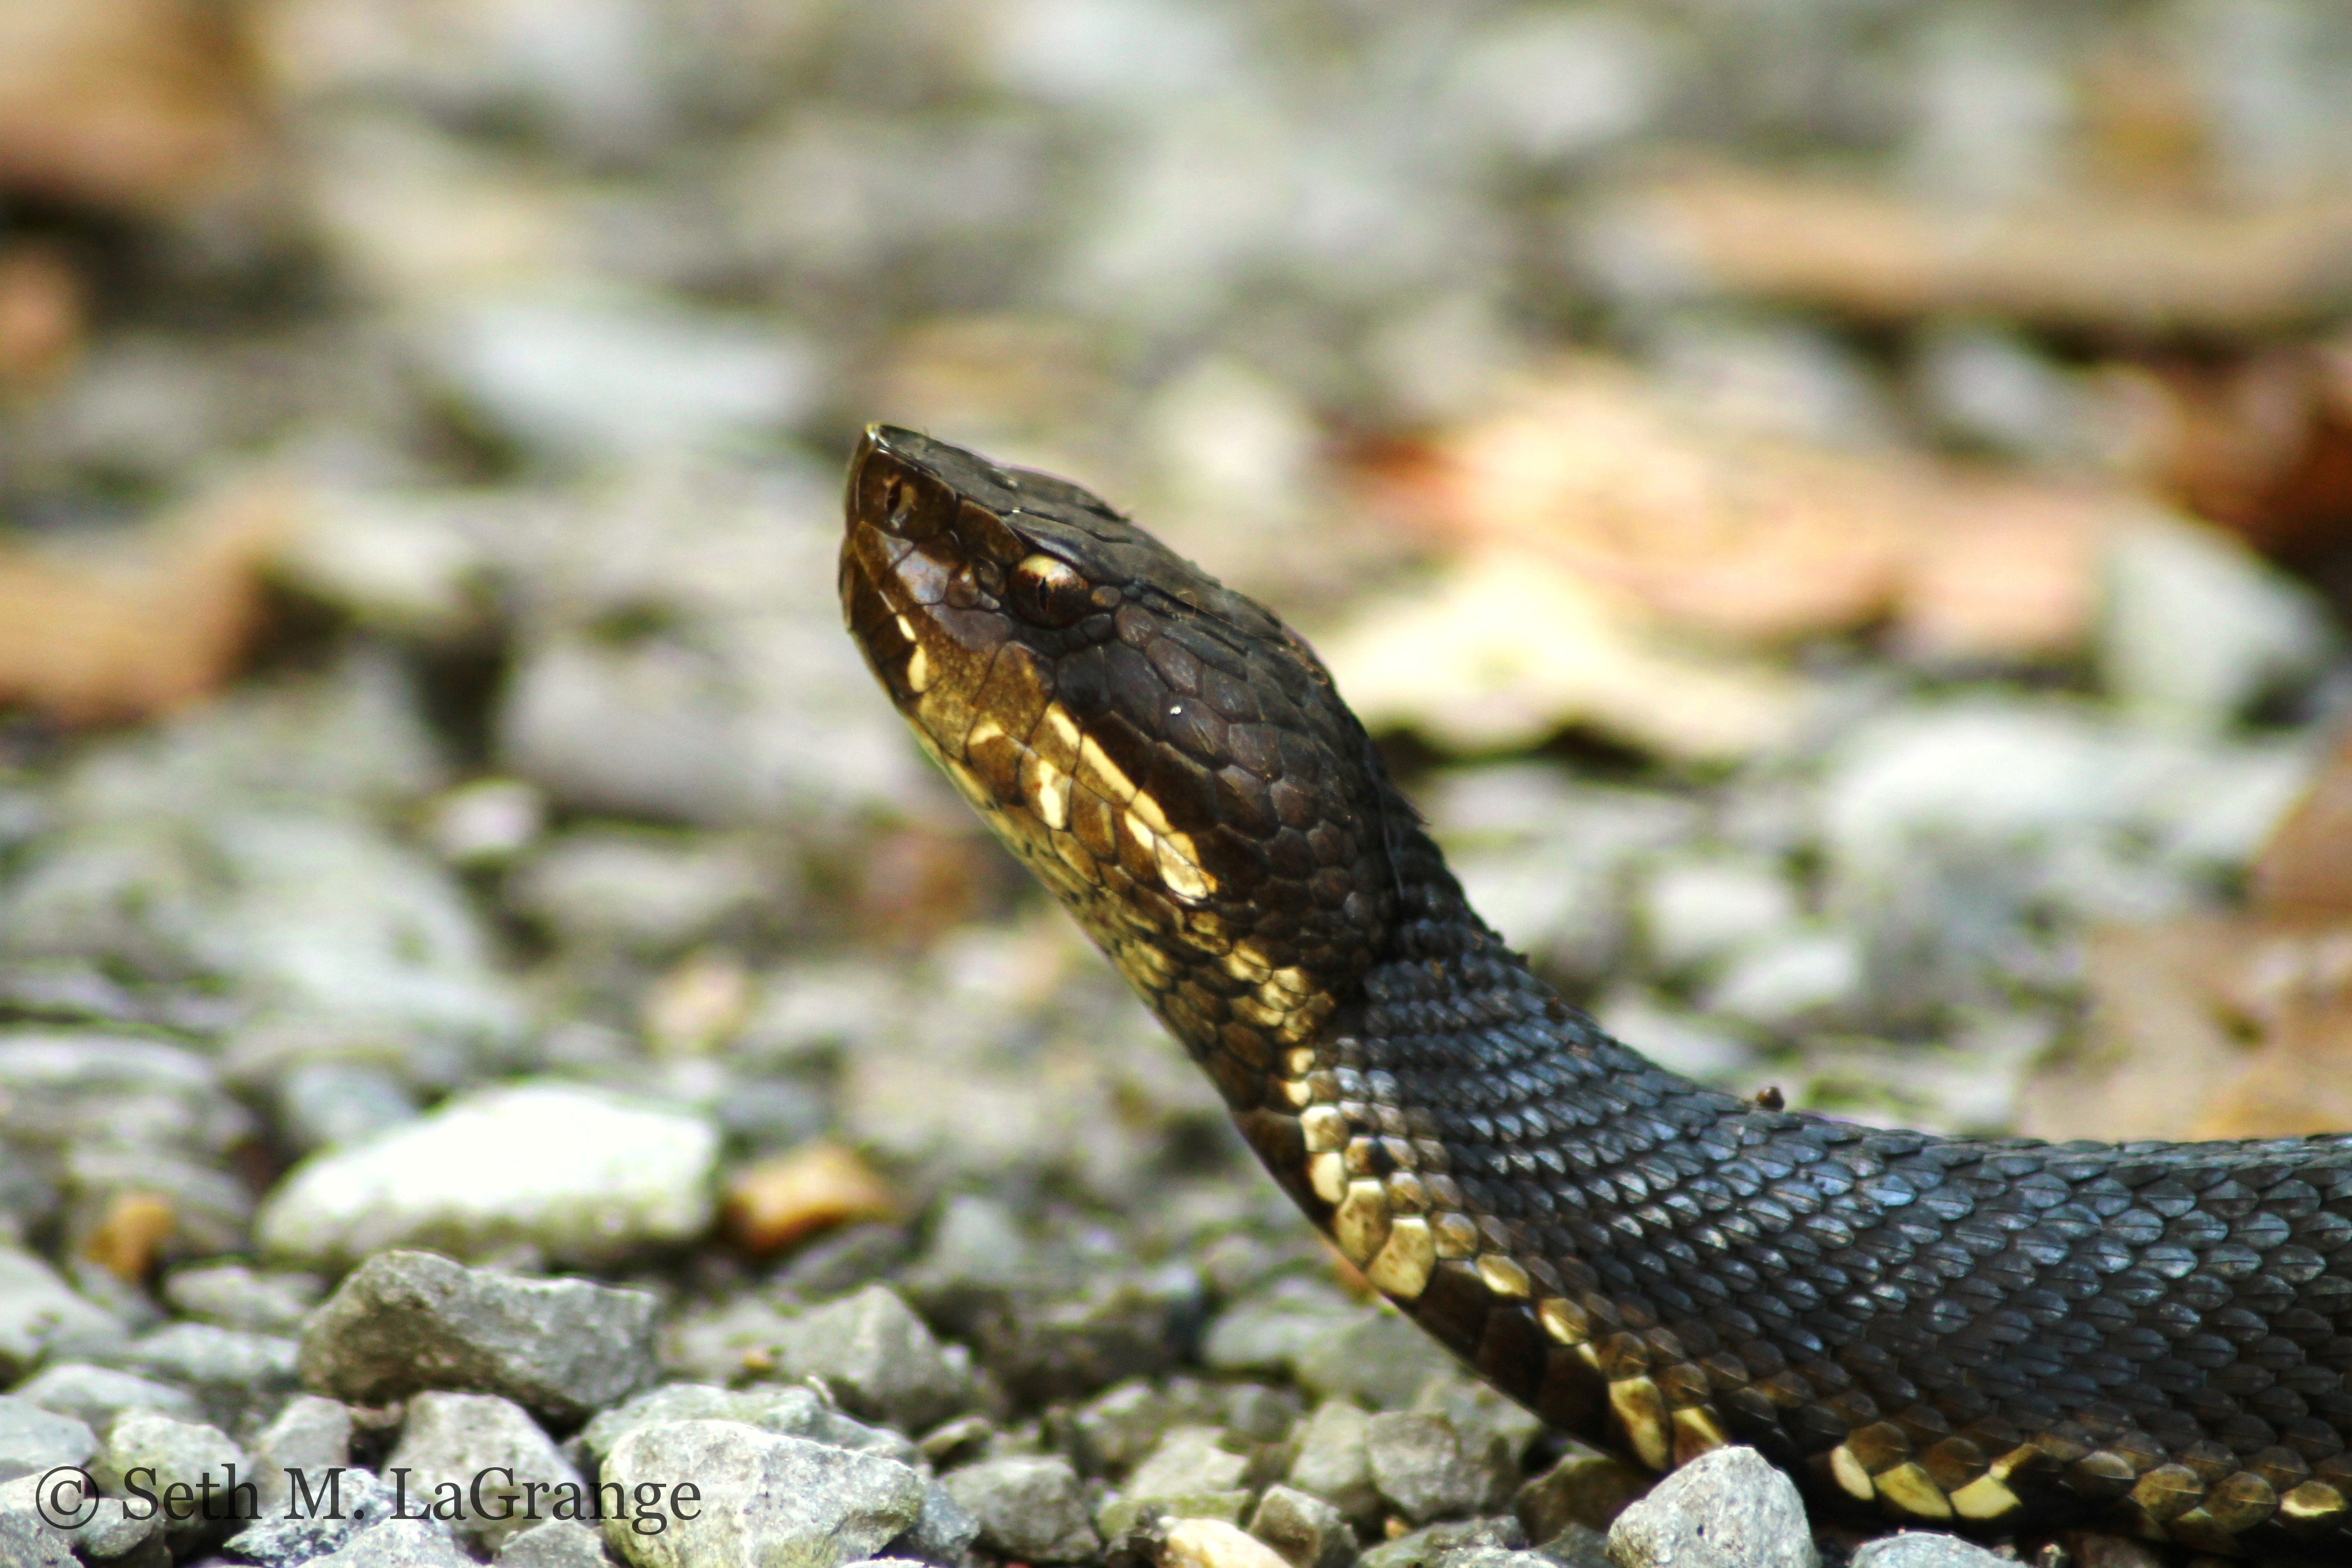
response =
{"points": [[1842, 509]]}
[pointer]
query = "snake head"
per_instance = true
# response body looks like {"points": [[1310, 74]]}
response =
{"points": [[1168, 756]]}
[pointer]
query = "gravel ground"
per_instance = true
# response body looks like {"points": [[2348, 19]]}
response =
{"points": [[546, 1022]]}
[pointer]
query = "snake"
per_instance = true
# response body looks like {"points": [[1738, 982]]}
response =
{"points": [[1997, 1336]]}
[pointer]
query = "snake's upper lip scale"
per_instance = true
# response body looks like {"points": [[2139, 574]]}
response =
{"points": [[1992, 1335]]}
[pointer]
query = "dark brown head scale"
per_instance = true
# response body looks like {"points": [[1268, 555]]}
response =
{"points": [[1169, 757]]}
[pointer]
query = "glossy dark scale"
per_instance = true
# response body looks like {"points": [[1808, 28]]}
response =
{"points": [[1985, 1336]]}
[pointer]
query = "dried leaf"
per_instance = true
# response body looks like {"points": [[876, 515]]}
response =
{"points": [[147, 629], [1502, 650], [2305, 872], [42, 320], [2106, 263], [777, 1202], [1753, 538], [141, 105]]}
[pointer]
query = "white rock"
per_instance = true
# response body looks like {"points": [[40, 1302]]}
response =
{"points": [[1698, 911], [591, 373], [1790, 981], [1727, 1509], [2196, 626], [582, 1175], [1671, 1037]]}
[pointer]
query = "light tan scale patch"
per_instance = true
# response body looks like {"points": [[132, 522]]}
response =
{"points": [[1047, 789], [1502, 1275], [1696, 1432], [1100, 774], [2312, 1501], [1909, 1487], [1360, 1224], [1851, 1477], [1401, 1266], [1327, 1175], [1324, 1128], [1563, 1320], [1640, 1411], [1457, 1237], [918, 671], [1986, 1498]]}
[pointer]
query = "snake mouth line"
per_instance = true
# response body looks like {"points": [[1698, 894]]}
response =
{"points": [[1990, 1335]]}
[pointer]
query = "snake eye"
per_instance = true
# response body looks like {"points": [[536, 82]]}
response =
{"points": [[1047, 592]]}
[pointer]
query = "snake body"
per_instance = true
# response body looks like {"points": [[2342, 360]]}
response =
{"points": [[1990, 1335]]}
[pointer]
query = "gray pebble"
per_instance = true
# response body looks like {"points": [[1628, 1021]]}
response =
{"points": [[402, 1321], [325, 1105], [27, 1543], [1187, 1459], [97, 1395], [1070, 1346], [157, 1452], [1923, 1549], [234, 1296], [554, 1543], [1380, 1357], [782, 1502], [397, 1543], [880, 1358], [237, 1376], [1578, 1546], [327, 1511], [33, 1439], [121, 1534], [313, 1434], [1334, 1464], [1584, 1487], [943, 1533], [1422, 1548], [786, 1409], [1307, 1531], [1726, 1509], [1032, 1509], [456, 1437], [1491, 1557], [42, 1318], [1417, 1463]]}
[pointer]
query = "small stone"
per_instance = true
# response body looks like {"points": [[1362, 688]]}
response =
{"points": [[397, 1543], [1493, 1557], [1925, 1549], [26, 1541], [1804, 976], [404, 1321], [1188, 1459], [1306, 1532], [1120, 1514], [789, 1410], [1051, 1348], [782, 1502], [1417, 1463], [325, 1511], [943, 1533], [1257, 1413], [33, 1439], [1584, 1487], [97, 1395], [582, 1175], [880, 1358], [123, 1533], [1030, 1509], [237, 1376], [553, 1543], [311, 1435], [460, 1438], [1380, 1358], [232, 1295], [1111, 1433], [485, 822], [1578, 1546], [1334, 1464], [179, 1453], [1696, 911], [1726, 1509], [815, 1187], [2256, 627], [328, 1105], [1422, 1548], [42, 1318], [1213, 1543]]}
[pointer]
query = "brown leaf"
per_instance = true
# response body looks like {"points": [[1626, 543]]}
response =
{"points": [[778, 1201], [138, 105], [1756, 538], [42, 320], [2108, 263], [2300, 1081], [130, 1235], [2305, 872], [147, 628], [2158, 1046]]}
